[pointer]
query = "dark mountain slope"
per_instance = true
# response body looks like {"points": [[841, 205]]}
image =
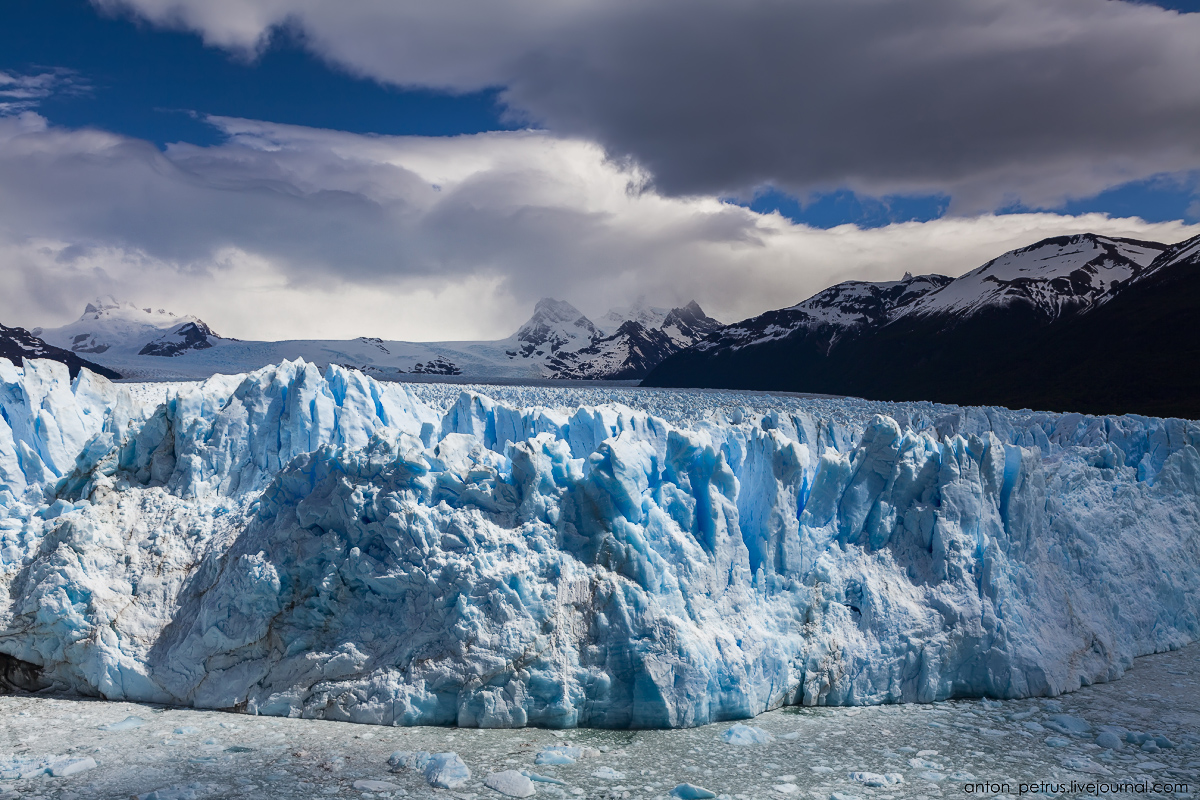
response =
{"points": [[18, 343], [1131, 348]]}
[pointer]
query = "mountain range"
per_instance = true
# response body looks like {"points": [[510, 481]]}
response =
{"points": [[557, 341], [1082, 323]]}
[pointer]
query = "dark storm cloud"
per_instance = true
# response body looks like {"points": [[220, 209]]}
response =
{"points": [[984, 100], [990, 101]]}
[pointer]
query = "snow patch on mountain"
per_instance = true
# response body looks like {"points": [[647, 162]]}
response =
{"points": [[305, 542], [1054, 277]]}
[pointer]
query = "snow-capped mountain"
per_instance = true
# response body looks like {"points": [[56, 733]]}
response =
{"points": [[688, 325], [17, 344], [108, 324], [650, 317], [996, 335], [558, 341], [1053, 277], [555, 327]]}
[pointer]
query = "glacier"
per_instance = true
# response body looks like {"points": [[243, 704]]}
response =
{"points": [[314, 543]]}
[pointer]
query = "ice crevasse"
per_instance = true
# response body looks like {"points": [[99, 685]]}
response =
{"points": [[314, 543]]}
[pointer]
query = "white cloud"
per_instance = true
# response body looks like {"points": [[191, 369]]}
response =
{"points": [[287, 232], [20, 93]]}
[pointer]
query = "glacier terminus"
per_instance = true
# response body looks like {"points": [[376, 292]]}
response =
{"points": [[314, 543]]}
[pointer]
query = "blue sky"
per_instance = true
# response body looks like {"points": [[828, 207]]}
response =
{"points": [[427, 171], [157, 84], [146, 81]]}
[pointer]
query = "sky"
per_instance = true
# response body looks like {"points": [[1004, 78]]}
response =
{"points": [[427, 171]]}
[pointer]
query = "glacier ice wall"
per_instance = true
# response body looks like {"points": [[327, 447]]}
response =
{"points": [[314, 544]]}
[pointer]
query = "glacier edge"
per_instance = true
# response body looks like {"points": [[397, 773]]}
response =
{"points": [[317, 544]]}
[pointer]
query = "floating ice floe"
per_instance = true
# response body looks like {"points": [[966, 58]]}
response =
{"points": [[446, 771], [563, 754], [877, 779], [409, 759], [510, 782], [129, 723], [374, 786], [746, 735]]}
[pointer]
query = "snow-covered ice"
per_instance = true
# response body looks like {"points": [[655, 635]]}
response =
{"points": [[296, 542]]}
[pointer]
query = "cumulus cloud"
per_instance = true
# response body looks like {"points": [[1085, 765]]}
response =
{"points": [[285, 232], [989, 101]]}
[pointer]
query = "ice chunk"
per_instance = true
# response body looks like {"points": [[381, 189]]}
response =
{"points": [[687, 791], [127, 724], [1109, 741], [533, 776], [1066, 723], [786, 788], [559, 754], [746, 735], [510, 782], [409, 759], [71, 766], [446, 771], [1086, 765], [1057, 741], [189, 792], [609, 774], [877, 779], [375, 786]]}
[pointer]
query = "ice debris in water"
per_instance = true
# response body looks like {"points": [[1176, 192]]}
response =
{"points": [[686, 791], [609, 774], [745, 735], [446, 771], [619, 567], [510, 782]]}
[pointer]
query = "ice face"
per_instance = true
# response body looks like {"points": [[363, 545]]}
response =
{"points": [[299, 543]]}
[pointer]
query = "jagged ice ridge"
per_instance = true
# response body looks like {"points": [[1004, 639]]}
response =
{"points": [[293, 542]]}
